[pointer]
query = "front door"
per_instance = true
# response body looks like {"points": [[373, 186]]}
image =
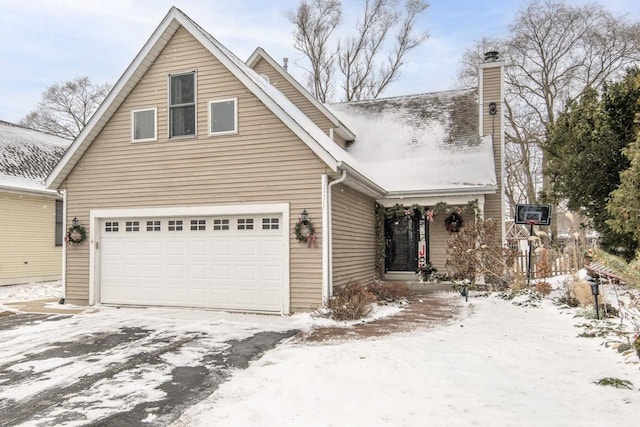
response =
{"points": [[401, 236]]}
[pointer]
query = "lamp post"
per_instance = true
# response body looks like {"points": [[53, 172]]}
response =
{"points": [[595, 291]]}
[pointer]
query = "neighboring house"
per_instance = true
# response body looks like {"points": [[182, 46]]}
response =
{"points": [[191, 177], [31, 236]]}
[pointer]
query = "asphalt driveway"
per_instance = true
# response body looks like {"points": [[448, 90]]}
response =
{"points": [[123, 367]]}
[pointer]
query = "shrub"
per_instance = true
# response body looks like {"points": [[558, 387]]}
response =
{"points": [[351, 302], [543, 288], [477, 250], [389, 291], [567, 296]]}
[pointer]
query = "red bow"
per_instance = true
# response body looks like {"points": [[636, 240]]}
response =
{"points": [[311, 241]]}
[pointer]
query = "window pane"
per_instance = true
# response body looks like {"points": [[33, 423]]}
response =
{"points": [[144, 124], [59, 231], [182, 89], [183, 121], [223, 118]]}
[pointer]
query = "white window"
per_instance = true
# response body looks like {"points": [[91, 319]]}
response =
{"points": [[223, 116], [175, 225], [270, 223], [132, 226], [143, 125], [111, 227], [182, 104], [198, 224], [153, 225], [245, 224], [220, 224]]}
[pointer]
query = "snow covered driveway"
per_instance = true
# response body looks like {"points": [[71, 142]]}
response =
{"points": [[123, 366]]}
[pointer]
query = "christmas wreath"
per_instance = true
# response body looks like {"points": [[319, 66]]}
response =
{"points": [[76, 234], [453, 223], [308, 234]]}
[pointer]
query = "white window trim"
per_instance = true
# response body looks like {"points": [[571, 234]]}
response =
{"points": [[155, 124], [235, 117], [195, 103]]}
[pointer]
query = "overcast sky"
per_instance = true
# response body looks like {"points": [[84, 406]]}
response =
{"points": [[47, 41]]}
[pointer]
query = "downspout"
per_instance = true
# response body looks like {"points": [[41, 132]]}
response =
{"points": [[327, 249], [63, 193]]}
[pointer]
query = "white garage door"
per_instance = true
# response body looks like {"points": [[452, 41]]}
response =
{"points": [[223, 262]]}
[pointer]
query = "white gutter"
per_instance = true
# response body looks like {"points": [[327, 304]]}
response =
{"points": [[327, 248], [26, 190], [485, 189]]}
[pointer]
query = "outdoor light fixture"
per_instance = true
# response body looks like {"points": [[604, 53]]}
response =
{"points": [[304, 217], [595, 291], [75, 222], [493, 108]]}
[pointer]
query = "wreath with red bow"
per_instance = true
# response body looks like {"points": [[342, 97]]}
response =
{"points": [[453, 223]]}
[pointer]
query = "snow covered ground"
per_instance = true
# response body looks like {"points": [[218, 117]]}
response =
{"points": [[30, 292], [501, 365], [498, 365]]}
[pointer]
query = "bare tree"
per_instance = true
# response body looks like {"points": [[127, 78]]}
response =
{"points": [[315, 22], [553, 52], [366, 62], [66, 107]]}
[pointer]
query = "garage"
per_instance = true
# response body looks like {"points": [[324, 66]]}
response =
{"points": [[229, 262]]}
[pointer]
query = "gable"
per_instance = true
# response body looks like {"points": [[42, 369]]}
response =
{"points": [[287, 112], [265, 65], [263, 146], [262, 67]]}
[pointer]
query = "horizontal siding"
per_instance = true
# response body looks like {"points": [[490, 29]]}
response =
{"points": [[439, 239], [492, 83], [354, 236], [264, 163], [27, 239], [298, 99]]}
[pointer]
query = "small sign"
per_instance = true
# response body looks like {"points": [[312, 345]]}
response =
{"points": [[536, 214]]}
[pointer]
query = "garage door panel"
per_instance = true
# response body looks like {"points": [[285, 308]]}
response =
{"points": [[198, 272], [152, 248], [174, 247], [198, 248], [131, 248], [271, 247], [271, 273], [152, 271], [131, 272], [221, 247], [175, 271], [233, 268], [245, 248]]}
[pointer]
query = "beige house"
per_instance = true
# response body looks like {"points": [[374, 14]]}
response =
{"points": [[31, 235], [192, 178]]}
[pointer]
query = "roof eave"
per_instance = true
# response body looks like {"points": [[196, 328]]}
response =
{"points": [[359, 181], [30, 191], [141, 63], [443, 192]]}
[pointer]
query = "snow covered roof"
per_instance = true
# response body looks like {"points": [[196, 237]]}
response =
{"points": [[421, 143], [27, 157]]}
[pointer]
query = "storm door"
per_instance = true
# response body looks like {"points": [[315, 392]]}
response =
{"points": [[401, 237]]}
